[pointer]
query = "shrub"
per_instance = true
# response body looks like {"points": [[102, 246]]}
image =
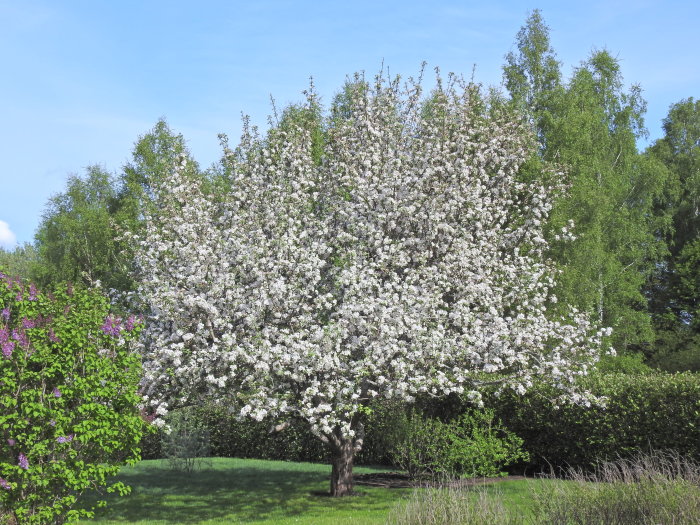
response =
{"points": [[68, 395], [631, 364], [646, 489], [471, 445], [187, 442], [657, 411], [232, 437]]}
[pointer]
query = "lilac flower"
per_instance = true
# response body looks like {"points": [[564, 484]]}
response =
{"points": [[21, 337], [4, 484], [4, 335], [65, 439], [7, 348], [130, 323], [22, 461], [11, 442], [6, 313], [28, 323], [32, 292], [52, 422], [112, 326], [56, 392]]}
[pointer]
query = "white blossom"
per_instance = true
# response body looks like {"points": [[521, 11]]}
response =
{"points": [[410, 259]]}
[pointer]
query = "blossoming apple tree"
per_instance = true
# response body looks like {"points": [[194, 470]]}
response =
{"points": [[405, 259]]}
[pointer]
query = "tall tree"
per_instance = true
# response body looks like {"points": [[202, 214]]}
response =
{"points": [[674, 290], [408, 260], [589, 125], [19, 262], [79, 238], [532, 74], [76, 239], [153, 156]]}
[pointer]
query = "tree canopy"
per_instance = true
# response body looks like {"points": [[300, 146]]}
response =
{"points": [[406, 258]]}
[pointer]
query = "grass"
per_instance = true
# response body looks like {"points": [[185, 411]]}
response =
{"points": [[503, 503], [649, 489], [229, 490]]}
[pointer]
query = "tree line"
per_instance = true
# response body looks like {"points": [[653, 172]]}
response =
{"points": [[624, 233]]}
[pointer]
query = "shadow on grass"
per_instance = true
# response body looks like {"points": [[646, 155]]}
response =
{"points": [[234, 490]]}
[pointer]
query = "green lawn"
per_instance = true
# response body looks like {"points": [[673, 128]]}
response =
{"points": [[227, 490]]}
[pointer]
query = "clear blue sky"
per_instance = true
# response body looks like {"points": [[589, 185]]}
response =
{"points": [[82, 80]]}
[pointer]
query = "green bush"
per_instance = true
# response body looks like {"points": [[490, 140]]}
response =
{"points": [[631, 364], [470, 445], [684, 359], [643, 412], [69, 400], [231, 437]]}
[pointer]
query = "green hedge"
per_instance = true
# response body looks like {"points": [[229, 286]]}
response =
{"points": [[644, 412], [656, 411], [229, 437]]}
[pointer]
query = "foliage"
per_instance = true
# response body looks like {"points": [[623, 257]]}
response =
{"points": [[231, 436], [631, 364], [470, 446], [533, 74], [676, 351], [80, 238], [674, 289], [409, 260], [656, 411], [186, 443], [69, 403], [19, 262], [153, 156], [643, 490], [608, 216], [77, 240]]}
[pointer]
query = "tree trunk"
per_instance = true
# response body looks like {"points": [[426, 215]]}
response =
{"points": [[343, 450], [342, 458]]}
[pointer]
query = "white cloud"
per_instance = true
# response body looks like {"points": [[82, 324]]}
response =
{"points": [[7, 237]]}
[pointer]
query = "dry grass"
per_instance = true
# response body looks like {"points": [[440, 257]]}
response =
{"points": [[657, 488], [649, 489]]}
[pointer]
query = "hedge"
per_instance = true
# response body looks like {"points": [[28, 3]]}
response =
{"points": [[657, 411], [643, 412]]}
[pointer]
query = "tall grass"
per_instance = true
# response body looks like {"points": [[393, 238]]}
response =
{"points": [[657, 488], [649, 489], [450, 505]]}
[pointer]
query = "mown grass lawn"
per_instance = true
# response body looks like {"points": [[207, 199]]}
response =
{"points": [[229, 490]]}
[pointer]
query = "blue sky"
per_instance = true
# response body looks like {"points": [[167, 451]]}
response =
{"points": [[82, 80]]}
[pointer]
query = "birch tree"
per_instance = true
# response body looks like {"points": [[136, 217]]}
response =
{"points": [[589, 124]]}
